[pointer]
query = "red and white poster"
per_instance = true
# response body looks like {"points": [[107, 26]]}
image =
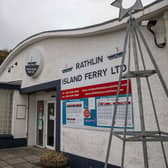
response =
{"points": [[94, 105]]}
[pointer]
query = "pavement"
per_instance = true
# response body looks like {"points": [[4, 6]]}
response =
{"points": [[23, 157]]}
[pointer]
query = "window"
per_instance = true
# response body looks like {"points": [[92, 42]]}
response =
{"points": [[5, 111]]}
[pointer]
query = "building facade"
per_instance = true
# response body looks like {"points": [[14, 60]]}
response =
{"points": [[54, 87]]}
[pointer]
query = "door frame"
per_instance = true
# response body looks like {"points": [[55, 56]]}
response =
{"points": [[36, 125], [46, 125], [54, 85]]}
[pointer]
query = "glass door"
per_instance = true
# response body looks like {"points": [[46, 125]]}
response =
{"points": [[51, 125], [40, 113]]}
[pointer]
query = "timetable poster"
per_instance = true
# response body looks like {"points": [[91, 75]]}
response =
{"points": [[94, 105], [105, 109], [74, 113]]}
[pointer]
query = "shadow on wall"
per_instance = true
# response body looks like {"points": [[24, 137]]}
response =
{"points": [[77, 161]]}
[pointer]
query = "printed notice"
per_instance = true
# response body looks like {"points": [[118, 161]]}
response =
{"points": [[91, 102], [105, 109], [93, 106], [74, 113]]}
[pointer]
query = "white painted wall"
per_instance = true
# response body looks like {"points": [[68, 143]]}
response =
{"points": [[88, 142], [32, 121], [19, 126]]}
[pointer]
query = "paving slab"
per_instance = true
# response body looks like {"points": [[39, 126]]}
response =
{"points": [[8, 167], [24, 157], [32, 158], [15, 161], [3, 163], [25, 165], [7, 156]]}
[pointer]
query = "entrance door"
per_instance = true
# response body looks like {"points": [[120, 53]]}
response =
{"points": [[51, 118], [40, 113]]}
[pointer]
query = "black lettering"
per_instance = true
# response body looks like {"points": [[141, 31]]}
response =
{"points": [[113, 71], [86, 75], [99, 73], [99, 59], [79, 77], [72, 79], [85, 63], [117, 67], [105, 71], [77, 66], [89, 62], [82, 65], [124, 68], [95, 74]]}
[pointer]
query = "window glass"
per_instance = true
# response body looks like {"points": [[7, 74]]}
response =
{"points": [[5, 111]]}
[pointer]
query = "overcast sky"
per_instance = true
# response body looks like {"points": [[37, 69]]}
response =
{"points": [[20, 19]]}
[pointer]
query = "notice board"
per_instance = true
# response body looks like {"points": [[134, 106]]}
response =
{"points": [[93, 105]]}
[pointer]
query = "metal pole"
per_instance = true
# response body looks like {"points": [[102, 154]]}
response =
{"points": [[153, 60], [140, 102], [127, 98], [117, 98], [152, 99]]}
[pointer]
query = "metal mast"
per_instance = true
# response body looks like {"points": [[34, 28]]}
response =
{"points": [[134, 40]]}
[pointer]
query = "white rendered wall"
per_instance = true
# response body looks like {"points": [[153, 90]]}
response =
{"points": [[19, 126], [88, 142], [32, 121]]}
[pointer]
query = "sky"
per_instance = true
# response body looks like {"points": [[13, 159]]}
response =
{"points": [[20, 19]]}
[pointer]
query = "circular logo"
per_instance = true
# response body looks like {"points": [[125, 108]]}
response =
{"points": [[87, 113], [34, 63]]}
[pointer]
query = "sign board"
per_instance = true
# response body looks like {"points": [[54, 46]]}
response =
{"points": [[21, 112], [93, 105], [33, 64], [93, 102]]}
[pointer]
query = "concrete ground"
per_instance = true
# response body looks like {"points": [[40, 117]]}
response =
{"points": [[23, 157]]}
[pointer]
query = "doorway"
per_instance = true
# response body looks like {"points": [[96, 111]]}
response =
{"points": [[40, 123], [50, 125], [48, 92]]}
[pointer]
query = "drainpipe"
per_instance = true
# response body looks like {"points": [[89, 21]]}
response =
{"points": [[165, 17]]}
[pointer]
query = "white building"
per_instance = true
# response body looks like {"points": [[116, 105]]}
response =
{"points": [[49, 91]]}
